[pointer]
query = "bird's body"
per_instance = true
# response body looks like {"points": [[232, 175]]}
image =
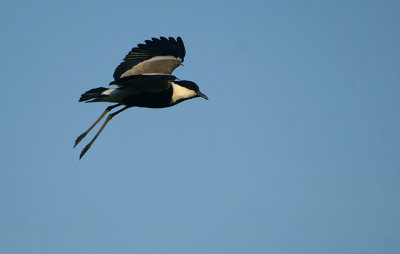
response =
{"points": [[149, 91], [144, 80]]}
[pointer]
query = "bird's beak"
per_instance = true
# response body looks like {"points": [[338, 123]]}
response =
{"points": [[202, 95]]}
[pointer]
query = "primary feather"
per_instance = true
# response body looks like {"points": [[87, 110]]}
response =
{"points": [[156, 56]]}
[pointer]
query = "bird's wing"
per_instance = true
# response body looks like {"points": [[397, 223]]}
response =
{"points": [[156, 56], [145, 83]]}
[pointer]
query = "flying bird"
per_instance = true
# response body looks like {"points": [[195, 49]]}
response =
{"points": [[144, 79]]}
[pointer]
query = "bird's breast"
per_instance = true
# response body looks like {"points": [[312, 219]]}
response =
{"points": [[159, 99]]}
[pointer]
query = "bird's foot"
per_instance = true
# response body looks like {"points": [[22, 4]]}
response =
{"points": [[85, 150], [79, 139]]}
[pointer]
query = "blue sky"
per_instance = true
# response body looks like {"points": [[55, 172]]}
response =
{"points": [[297, 150]]}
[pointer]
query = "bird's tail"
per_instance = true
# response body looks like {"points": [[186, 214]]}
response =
{"points": [[93, 94]]}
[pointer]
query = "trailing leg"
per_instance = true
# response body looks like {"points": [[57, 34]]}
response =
{"points": [[108, 109], [109, 117]]}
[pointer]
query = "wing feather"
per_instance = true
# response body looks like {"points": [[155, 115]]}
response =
{"points": [[160, 56], [144, 83]]}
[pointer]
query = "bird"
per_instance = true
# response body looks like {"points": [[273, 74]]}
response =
{"points": [[143, 79]]}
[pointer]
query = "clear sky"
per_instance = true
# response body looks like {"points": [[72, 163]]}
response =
{"points": [[297, 150]]}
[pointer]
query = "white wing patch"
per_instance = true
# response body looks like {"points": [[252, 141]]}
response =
{"points": [[115, 94], [108, 91]]}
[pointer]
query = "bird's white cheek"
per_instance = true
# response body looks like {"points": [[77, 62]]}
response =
{"points": [[180, 93]]}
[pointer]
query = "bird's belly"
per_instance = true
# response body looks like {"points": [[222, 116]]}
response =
{"points": [[148, 100]]}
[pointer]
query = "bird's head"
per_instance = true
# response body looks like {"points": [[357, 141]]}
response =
{"points": [[183, 90]]}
